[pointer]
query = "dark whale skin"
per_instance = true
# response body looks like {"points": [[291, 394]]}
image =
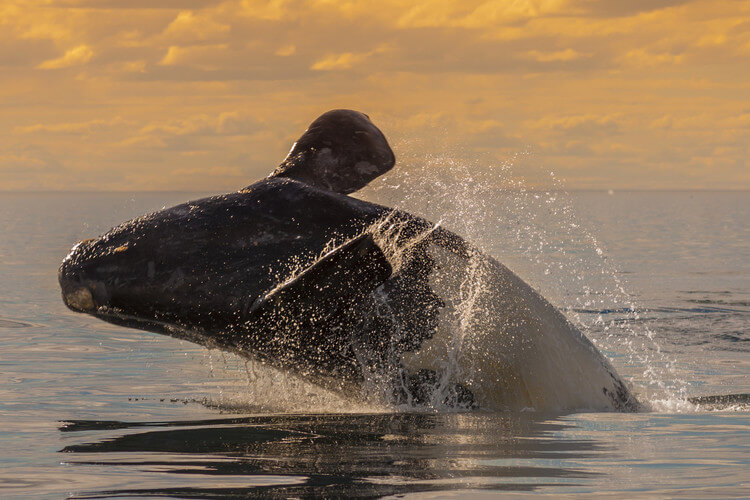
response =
{"points": [[218, 271], [198, 271]]}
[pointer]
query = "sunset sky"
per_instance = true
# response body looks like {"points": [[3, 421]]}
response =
{"points": [[209, 95]]}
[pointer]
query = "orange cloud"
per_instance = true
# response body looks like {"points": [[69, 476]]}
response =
{"points": [[609, 94], [76, 56], [189, 27], [559, 55], [345, 60]]}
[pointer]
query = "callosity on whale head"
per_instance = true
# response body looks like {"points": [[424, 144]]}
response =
{"points": [[293, 272]]}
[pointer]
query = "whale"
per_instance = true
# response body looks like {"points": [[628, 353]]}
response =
{"points": [[295, 273]]}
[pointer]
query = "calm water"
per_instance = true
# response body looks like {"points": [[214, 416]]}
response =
{"points": [[661, 281]]}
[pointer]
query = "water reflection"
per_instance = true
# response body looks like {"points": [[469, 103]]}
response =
{"points": [[330, 455]]}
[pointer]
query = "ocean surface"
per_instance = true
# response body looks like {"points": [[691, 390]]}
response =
{"points": [[660, 281]]}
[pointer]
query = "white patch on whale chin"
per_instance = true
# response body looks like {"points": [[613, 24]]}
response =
{"points": [[506, 344]]}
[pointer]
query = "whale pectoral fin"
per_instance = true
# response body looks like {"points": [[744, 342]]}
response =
{"points": [[300, 321], [336, 281], [340, 151]]}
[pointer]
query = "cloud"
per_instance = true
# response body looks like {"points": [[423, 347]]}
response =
{"points": [[646, 59], [74, 57], [559, 55], [70, 128], [617, 93], [208, 171], [192, 133], [474, 14], [188, 27], [345, 60], [273, 10], [579, 124], [204, 56], [174, 53], [286, 50]]}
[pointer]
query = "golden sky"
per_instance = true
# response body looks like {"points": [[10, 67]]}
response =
{"points": [[209, 95]]}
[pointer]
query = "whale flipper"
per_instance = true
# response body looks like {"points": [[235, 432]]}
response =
{"points": [[340, 151], [318, 301]]}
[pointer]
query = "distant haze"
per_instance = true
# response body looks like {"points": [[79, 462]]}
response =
{"points": [[209, 95]]}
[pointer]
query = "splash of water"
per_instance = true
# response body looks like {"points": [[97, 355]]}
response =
{"points": [[534, 230], [250, 386], [531, 228]]}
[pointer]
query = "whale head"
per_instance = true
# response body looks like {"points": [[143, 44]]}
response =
{"points": [[206, 261], [340, 151], [185, 253]]}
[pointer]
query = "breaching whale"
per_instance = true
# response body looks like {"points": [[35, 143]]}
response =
{"points": [[295, 273]]}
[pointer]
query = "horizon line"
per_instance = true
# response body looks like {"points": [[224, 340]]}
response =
{"points": [[164, 191]]}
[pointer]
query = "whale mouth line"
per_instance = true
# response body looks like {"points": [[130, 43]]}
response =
{"points": [[119, 317], [194, 335]]}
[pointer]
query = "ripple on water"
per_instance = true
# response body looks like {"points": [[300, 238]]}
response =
{"points": [[9, 323]]}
